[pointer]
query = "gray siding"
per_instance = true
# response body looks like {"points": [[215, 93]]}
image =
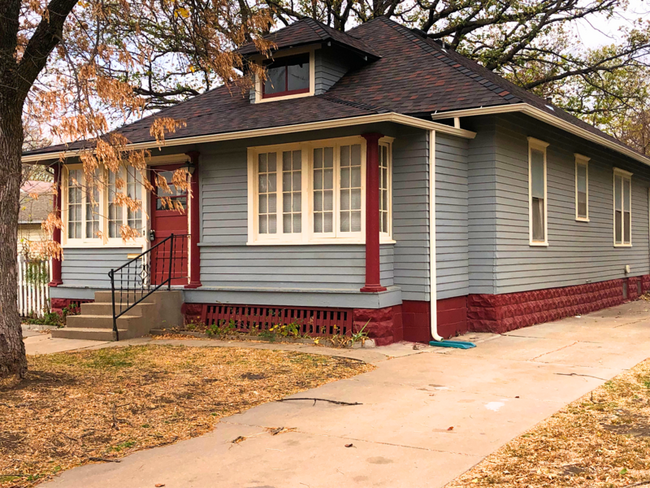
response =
{"points": [[452, 253], [89, 266], [330, 67], [481, 214], [411, 214], [578, 252]]}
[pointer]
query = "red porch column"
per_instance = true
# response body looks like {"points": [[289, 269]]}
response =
{"points": [[56, 233], [195, 224], [372, 213]]}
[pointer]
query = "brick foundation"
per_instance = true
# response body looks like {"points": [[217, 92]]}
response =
{"points": [[510, 311], [192, 312], [479, 313], [72, 304], [452, 319], [384, 324]]}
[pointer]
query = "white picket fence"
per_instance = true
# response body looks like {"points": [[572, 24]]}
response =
{"points": [[33, 289]]}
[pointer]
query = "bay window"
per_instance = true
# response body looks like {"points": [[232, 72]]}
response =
{"points": [[314, 192], [622, 208]]}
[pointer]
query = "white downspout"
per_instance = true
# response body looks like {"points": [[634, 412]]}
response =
{"points": [[433, 292]]}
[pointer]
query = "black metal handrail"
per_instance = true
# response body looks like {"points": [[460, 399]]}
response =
{"points": [[138, 278]]}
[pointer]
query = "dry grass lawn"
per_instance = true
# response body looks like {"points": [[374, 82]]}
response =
{"points": [[93, 406], [599, 441]]}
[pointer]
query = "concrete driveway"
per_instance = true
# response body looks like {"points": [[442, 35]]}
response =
{"points": [[425, 417]]}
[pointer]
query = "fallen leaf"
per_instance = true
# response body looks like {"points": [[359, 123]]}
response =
{"points": [[159, 485], [238, 440], [349, 445], [450, 428]]}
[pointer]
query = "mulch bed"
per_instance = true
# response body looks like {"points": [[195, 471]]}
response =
{"points": [[98, 406], [599, 441]]}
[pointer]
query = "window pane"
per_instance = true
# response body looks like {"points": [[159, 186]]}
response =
{"points": [[538, 219], [323, 179], [92, 207], [537, 173], [582, 178], [581, 188], [75, 180], [349, 192], [267, 196], [134, 191], [627, 229], [618, 183], [626, 194], [291, 194], [383, 188], [298, 76], [115, 210], [618, 223], [276, 80]]}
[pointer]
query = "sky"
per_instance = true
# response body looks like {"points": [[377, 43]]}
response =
{"points": [[600, 30]]}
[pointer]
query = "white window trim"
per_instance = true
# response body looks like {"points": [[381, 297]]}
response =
{"points": [[584, 160], [312, 77], [102, 211], [624, 175], [540, 146], [307, 236]]}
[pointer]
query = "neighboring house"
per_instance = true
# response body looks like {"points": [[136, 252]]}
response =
{"points": [[373, 170], [35, 206]]}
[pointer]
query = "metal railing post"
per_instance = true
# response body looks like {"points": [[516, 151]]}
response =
{"points": [[111, 273], [171, 260]]}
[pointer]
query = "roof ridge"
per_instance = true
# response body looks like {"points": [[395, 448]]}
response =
{"points": [[503, 92], [317, 28]]}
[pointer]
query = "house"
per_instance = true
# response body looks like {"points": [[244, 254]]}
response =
{"points": [[35, 206], [372, 171]]}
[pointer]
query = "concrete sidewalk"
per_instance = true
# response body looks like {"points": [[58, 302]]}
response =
{"points": [[402, 435]]}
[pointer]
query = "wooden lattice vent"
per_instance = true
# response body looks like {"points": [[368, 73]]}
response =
{"points": [[312, 321]]}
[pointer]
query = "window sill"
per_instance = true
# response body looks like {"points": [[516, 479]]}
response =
{"points": [[622, 245], [578, 219], [538, 244], [317, 242], [261, 99], [101, 245]]}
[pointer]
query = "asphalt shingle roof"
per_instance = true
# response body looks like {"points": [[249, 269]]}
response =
{"points": [[308, 31], [410, 74]]}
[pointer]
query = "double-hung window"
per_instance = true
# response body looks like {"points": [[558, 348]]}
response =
{"points": [[622, 208], [582, 188], [538, 227], [314, 192], [83, 205], [94, 209]]}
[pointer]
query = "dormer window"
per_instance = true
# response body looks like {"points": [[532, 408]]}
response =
{"points": [[287, 76]]}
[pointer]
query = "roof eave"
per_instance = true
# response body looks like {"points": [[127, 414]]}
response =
{"points": [[272, 131], [547, 118]]}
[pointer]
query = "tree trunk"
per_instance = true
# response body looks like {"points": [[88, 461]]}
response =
{"points": [[12, 349]]}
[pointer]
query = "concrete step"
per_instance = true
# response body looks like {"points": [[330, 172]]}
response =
{"points": [[101, 308], [107, 296], [101, 321], [90, 334]]}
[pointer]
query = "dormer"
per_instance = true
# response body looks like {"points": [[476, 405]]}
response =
{"points": [[308, 59]]}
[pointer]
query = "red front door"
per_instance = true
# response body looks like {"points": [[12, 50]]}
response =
{"points": [[165, 221]]}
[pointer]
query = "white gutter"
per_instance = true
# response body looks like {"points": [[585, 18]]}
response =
{"points": [[273, 131], [550, 119], [433, 275]]}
